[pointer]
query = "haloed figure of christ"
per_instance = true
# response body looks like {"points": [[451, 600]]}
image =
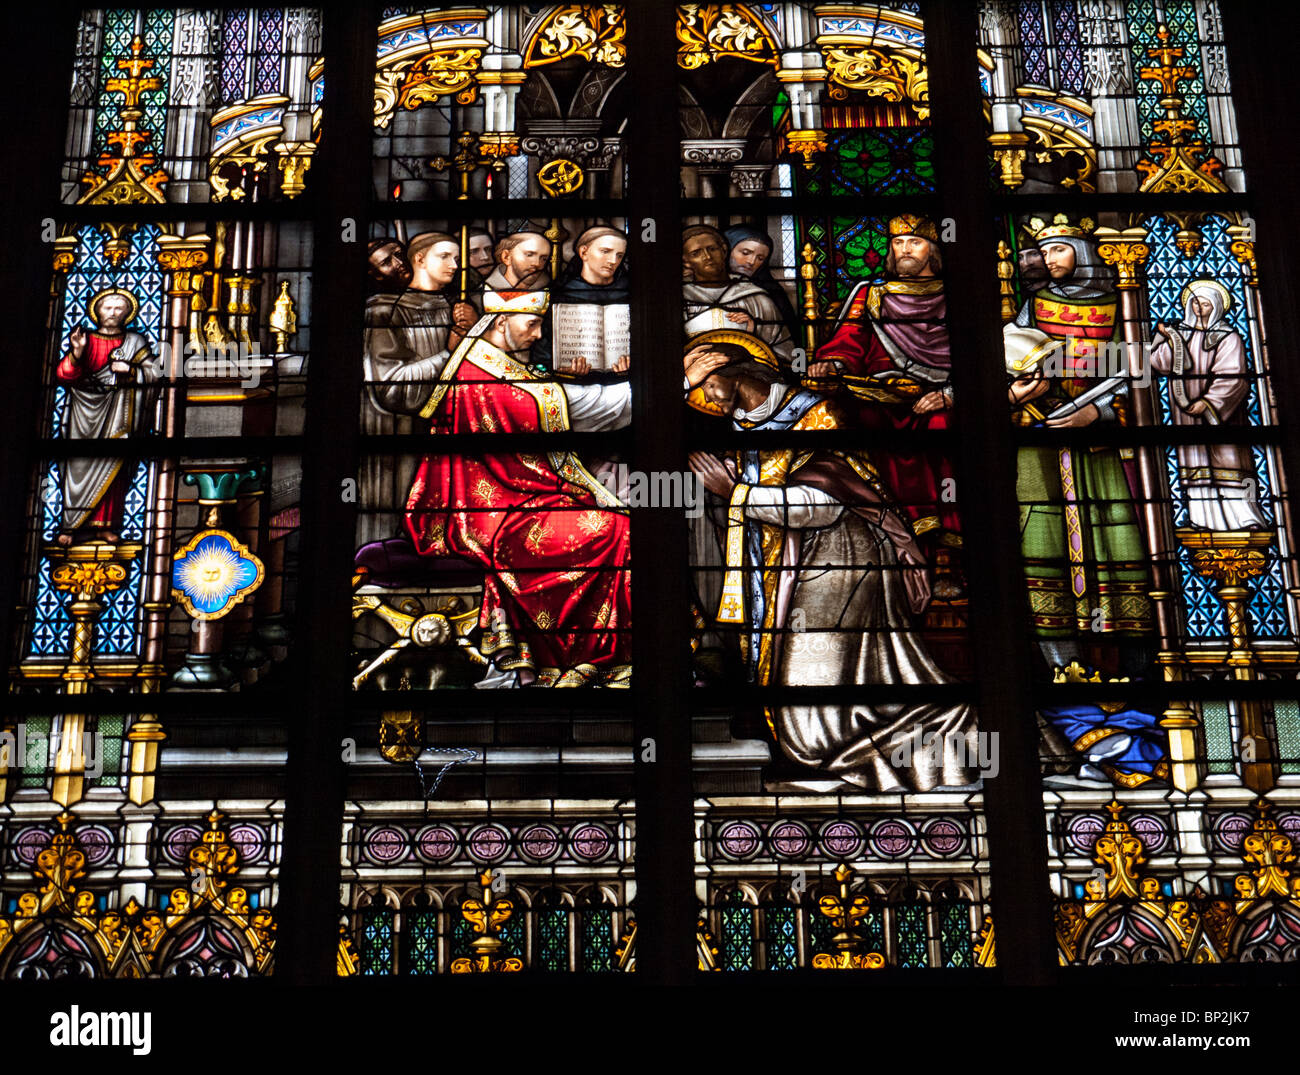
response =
{"points": [[109, 375]]}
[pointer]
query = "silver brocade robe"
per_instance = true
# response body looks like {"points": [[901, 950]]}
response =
{"points": [[843, 572], [857, 630]]}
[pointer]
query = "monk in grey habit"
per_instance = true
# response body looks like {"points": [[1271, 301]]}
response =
{"points": [[408, 339]]}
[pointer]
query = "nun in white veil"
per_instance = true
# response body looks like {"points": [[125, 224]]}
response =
{"points": [[1209, 376]]}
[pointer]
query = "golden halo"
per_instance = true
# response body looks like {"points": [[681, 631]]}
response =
{"points": [[1214, 285], [131, 299], [757, 348], [697, 400]]}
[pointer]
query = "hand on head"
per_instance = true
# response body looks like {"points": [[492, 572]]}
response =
{"points": [[700, 362]]}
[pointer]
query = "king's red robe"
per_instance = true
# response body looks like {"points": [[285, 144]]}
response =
{"points": [[553, 546], [912, 314]]}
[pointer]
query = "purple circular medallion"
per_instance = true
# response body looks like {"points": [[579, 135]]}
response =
{"points": [[179, 841], [841, 839], [29, 843], [738, 839], [488, 843], [97, 842], [1231, 829], [1151, 831], [539, 843], [437, 843], [385, 845], [250, 840], [590, 842], [892, 838], [943, 837], [789, 839], [1083, 832]]}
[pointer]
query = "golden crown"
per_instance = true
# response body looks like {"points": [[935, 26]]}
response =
{"points": [[913, 224], [1059, 228]]}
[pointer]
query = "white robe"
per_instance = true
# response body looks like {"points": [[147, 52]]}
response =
{"points": [[1218, 480], [743, 296]]}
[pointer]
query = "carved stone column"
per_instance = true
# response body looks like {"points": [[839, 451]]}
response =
{"points": [[87, 573], [81, 118], [750, 179], [1008, 139], [713, 159], [1127, 251], [1218, 99], [298, 145], [1108, 69], [804, 78], [195, 78]]}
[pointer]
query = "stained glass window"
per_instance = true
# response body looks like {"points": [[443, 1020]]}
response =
{"points": [[501, 565], [832, 573], [350, 436], [1156, 550], [159, 560]]}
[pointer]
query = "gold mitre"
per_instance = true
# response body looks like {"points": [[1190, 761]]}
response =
{"points": [[515, 302], [1059, 228], [913, 224]]}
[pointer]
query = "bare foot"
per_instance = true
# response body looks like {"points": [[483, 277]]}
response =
{"points": [[63, 539], [109, 537]]}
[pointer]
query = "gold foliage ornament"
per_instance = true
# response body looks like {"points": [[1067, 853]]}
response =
{"points": [[846, 910], [436, 74], [891, 76], [1122, 887], [487, 916], [590, 31], [441, 74], [708, 32], [560, 177]]}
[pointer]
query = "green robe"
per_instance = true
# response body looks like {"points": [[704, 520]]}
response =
{"points": [[1085, 563]]}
